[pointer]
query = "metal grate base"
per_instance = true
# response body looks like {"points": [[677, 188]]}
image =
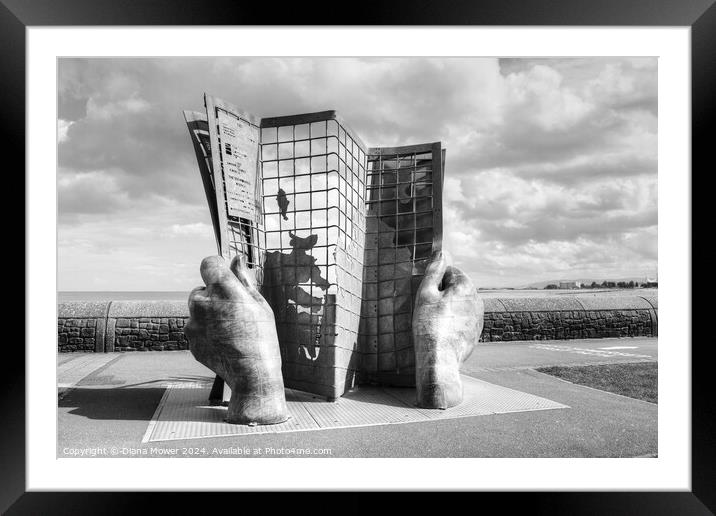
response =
{"points": [[183, 412]]}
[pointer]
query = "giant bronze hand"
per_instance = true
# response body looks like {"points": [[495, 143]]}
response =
{"points": [[447, 322], [231, 330]]}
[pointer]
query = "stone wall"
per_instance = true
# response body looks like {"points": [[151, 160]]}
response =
{"points": [[122, 326], [159, 325], [569, 317], [76, 334], [149, 333], [81, 326]]}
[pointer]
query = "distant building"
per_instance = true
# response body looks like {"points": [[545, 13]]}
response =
{"points": [[570, 284]]}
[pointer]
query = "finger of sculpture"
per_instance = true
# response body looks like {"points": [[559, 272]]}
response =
{"points": [[248, 280], [431, 284], [231, 330], [221, 281], [447, 323], [243, 273], [456, 282]]}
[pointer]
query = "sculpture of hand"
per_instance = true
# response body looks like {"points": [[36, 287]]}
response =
{"points": [[447, 322], [232, 331]]}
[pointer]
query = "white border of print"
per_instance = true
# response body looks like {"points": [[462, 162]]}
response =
{"points": [[670, 471]]}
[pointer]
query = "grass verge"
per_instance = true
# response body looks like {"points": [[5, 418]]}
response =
{"points": [[635, 380]]}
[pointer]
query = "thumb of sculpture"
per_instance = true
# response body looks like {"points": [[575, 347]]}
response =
{"points": [[232, 332]]}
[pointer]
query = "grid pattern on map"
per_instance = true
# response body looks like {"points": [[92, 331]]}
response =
{"points": [[313, 179], [234, 149], [401, 235], [244, 237], [339, 239]]}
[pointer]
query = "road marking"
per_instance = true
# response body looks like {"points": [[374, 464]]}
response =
{"points": [[586, 351], [621, 347], [527, 367], [71, 372]]}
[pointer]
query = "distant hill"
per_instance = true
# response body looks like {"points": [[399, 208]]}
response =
{"points": [[588, 281]]}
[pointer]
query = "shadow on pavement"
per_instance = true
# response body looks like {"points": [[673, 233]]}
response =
{"points": [[139, 401], [129, 402], [400, 397], [117, 404]]}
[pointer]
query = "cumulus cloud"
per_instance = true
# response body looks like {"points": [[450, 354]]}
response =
{"points": [[195, 229], [62, 127], [89, 192], [551, 163]]}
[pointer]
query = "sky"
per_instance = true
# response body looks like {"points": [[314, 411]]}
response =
{"points": [[551, 169]]}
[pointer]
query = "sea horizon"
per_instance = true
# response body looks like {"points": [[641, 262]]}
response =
{"points": [[121, 295], [183, 295]]}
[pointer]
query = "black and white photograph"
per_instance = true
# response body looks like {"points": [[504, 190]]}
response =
{"points": [[413, 257], [357, 257]]}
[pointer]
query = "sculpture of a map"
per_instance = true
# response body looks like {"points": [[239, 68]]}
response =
{"points": [[338, 236]]}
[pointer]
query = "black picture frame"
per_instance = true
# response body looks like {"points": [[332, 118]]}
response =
{"points": [[700, 15]]}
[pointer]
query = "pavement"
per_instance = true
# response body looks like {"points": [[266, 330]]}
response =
{"points": [[107, 404]]}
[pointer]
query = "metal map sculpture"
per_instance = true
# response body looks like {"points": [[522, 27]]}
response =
{"points": [[337, 238]]}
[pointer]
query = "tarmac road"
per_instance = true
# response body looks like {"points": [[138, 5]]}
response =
{"points": [[489, 356], [113, 405]]}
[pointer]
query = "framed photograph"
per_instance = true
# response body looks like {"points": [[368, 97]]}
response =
{"points": [[540, 155]]}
